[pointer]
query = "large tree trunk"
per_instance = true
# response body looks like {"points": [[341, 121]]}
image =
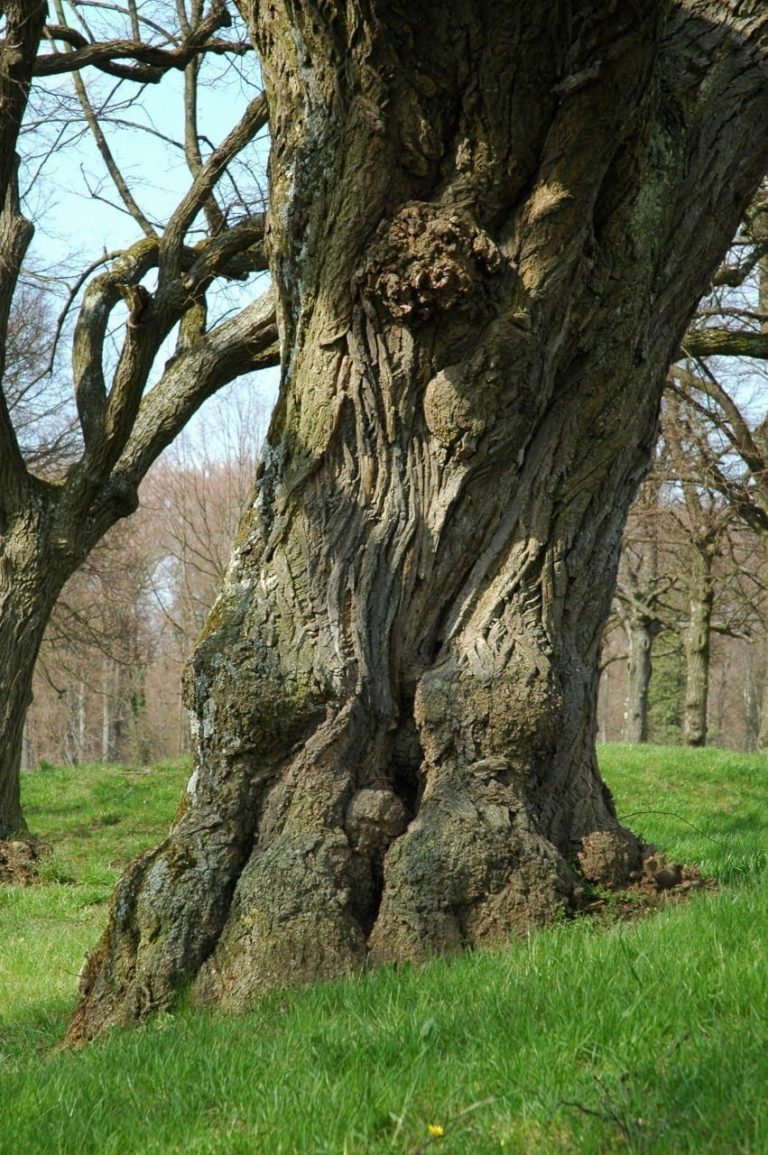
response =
{"points": [[482, 229], [697, 646]]}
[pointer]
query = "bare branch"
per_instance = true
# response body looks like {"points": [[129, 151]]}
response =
{"points": [[725, 343], [110, 164], [253, 120], [737, 429], [150, 62], [240, 345]]}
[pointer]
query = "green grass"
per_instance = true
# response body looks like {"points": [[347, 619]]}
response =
{"points": [[705, 806], [587, 1038]]}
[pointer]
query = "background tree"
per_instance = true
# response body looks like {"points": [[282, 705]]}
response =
{"points": [[723, 375], [489, 226], [704, 518], [688, 574], [640, 600], [107, 685], [133, 390], [695, 461]]}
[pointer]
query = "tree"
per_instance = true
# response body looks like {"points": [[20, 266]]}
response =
{"points": [[489, 226], [639, 601], [107, 682], [697, 458], [704, 520], [724, 358], [133, 393], [96, 652]]}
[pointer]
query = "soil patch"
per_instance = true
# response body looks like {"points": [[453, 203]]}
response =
{"points": [[657, 882], [18, 862]]}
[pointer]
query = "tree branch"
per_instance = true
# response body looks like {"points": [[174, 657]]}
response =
{"points": [[100, 298], [107, 156], [253, 120], [240, 345], [737, 429], [150, 62], [24, 23], [725, 343]]}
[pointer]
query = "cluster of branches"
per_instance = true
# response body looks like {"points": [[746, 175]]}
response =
{"points": [[127, 302]]}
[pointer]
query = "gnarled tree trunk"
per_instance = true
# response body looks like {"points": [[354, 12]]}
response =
{"points": [[489, 225]]}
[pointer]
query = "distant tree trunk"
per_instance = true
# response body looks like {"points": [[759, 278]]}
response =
{"points": [[489, 226], [697, 647], [106, 710], [762, 735], [637, 605], [110, 721], [752, 701], [26, 746], [640, 630]]}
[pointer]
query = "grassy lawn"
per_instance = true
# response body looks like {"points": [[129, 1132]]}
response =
{"points": [[592, 1037]]}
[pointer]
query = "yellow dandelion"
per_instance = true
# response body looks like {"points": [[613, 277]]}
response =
{"points": [[436, 1130]]}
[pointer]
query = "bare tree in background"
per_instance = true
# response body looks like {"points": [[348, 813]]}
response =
{"points": [[133, 391], [108, 681], [90, 681], [723, 378], [689, 572], [640, 604]]}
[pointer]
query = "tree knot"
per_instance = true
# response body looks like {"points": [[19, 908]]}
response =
{"points": [[138, 300], [426, 260]]}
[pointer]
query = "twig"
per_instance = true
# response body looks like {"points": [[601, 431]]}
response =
{"points": [[679, 817]]}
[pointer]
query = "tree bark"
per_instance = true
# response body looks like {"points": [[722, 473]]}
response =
{"points": [[640, 633], [31, 577], [697, 645], [638, 596], [762, 733], [489, 225]]}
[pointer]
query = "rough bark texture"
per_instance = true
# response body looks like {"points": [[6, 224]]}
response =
{"points": [[489, 225], [32, 573]]}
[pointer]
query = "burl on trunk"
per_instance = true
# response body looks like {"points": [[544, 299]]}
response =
{"points": [[489, 225]]}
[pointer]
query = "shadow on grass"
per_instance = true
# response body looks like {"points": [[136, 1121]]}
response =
{"points": [[34, 1031]]}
